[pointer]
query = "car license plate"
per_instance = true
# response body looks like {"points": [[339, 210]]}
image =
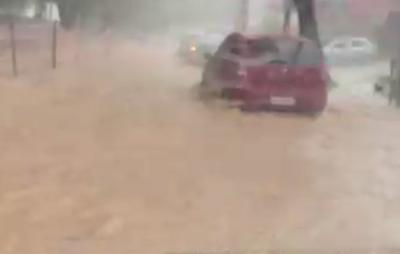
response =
{"points": [[282, 101]]}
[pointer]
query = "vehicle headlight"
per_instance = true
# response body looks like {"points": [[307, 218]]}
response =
{"points": [[193, 48]]}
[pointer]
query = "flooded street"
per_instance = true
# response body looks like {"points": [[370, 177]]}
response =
{"points": [[117, 155]]}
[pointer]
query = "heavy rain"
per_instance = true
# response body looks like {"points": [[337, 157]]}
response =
{"points": [[199, 126]]}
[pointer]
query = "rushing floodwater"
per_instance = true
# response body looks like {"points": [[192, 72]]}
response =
{"points": [[118, 156]]}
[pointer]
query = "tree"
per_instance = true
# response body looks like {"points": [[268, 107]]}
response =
{"points": [[148, 14], [69, 12], [287, 11], [12, 3], [106, 10], [12, 7], [307, 19]]}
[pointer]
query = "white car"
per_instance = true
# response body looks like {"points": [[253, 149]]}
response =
{"points": [[350, 50]]}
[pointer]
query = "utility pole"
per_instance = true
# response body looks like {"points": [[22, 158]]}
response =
{"points": [[13, 44], [242, 19], [54, 38], [287, 14]]}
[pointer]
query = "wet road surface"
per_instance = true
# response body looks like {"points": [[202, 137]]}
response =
{"points": [[118, 156]]}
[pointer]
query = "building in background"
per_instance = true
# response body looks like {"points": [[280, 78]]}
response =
{"points": [[49, 11]]}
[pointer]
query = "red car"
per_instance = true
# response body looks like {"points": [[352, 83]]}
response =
{"points": [[275, 72]]}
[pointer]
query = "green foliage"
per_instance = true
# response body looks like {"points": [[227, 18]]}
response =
{"points": [[143, 14], [12, 3], [159, 14], [12, 6]]}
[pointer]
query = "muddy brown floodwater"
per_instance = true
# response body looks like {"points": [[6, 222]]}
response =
{"points": [[114, 154]]}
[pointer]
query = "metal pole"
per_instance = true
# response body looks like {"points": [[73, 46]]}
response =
{"points": [[287, 15], [243, 16], [13, 46], [54, 39], [54, 45]]}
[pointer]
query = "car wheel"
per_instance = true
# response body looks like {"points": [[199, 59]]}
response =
{"points": [[204, 92], [315, 114], [250, 107]]}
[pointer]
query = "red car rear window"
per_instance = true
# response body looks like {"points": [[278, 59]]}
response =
{"points": [[285, 50], [300, 52]]}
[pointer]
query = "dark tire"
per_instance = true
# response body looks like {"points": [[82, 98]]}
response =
{"points": [[251, 108], [314, 114], [204, 92]]}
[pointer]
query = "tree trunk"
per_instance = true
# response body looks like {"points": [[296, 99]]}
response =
{"points": [[307, 20], [40, 9], [69, 13], [242, 17], [287, 15]]}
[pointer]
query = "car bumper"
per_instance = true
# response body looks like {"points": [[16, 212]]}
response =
{"points": [[309, 100], [303, 100]]}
